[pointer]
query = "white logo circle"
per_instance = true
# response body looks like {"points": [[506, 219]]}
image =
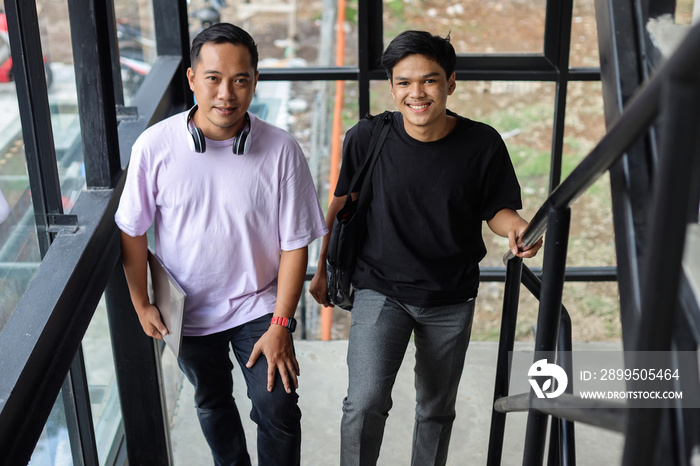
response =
{"points": [[542, 368]]}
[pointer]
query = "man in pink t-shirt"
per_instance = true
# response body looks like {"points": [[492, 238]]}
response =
{"points": [[234, 208]]}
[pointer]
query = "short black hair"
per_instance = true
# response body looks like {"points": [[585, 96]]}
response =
{"points": [[436, 48], [221, 33]]}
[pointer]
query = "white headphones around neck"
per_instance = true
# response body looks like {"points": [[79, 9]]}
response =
{"points": [[197, 142]]}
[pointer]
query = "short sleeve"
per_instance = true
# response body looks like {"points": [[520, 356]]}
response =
{"points": [[501, 189], [137, 204], [354, 147], [300, 216]]}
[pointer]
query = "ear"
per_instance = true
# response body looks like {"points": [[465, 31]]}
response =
{"points": [[451, 83], [391, 89], [190, 78], [257, 78]]}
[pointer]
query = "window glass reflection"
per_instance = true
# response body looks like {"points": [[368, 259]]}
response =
{"points": [[53, 448], [54, 27], [584, 35], [19, 249], [136, 42], [317, 114], [475, 26], [292, 33], [592, 241], [102, 382]]}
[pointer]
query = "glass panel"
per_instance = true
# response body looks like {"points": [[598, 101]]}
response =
{"points": [[102, 382], [53, 448], [307, 110], [489, 309], [522, 111], [56, 44], [289, 33], [19, 249], [585, 122], [136, 41], [594, 309], [475, 26], [584, 35], [592, 241]]}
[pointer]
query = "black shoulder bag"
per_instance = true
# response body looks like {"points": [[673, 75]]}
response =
{"points": [[350, 224]]}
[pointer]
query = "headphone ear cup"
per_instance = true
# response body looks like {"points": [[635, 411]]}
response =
{"points": [[197, 141], [241, 143]]}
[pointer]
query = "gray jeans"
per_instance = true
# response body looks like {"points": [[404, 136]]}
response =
{"points": [[380, 331]]}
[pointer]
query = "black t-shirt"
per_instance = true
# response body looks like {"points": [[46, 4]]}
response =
{"points": [[424, 241]]}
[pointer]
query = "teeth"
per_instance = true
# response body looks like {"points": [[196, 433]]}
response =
{"points": [[418, 107]]}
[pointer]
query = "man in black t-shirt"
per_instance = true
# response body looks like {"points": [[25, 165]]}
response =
{"points": [[437, 178]]}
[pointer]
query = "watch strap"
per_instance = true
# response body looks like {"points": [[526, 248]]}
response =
{"points": [[287, 322]]}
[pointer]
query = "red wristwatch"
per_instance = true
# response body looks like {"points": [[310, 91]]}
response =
{"points": [[289, 323]]}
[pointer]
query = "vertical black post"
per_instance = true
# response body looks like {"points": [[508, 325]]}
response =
{"points": [[173, 38], [621, 69], [100, 144], [138, 370], [33, 100], [98, 119], [111, 26], [563, 450], [370, 47], [511, 296], [172, 32], [76, 399], [553, 269], [567, 444], [557, 40], [679, 168]]}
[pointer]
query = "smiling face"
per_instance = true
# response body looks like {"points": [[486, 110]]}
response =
{"points": [[223, 81], [420, 89]]}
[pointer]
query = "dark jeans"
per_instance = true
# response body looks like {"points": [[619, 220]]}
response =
{"points": [[379, 334], [207, 365]]}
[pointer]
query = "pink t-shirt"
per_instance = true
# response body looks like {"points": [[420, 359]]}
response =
{"points": [[221, 220]]}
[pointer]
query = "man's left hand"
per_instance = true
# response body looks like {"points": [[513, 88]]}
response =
{"points": [[276, 345]]}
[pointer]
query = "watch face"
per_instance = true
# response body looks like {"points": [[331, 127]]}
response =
{"points": [[291, 324]]}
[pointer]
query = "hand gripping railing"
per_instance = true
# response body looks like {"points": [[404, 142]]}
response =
{"points": [[677, 83]]}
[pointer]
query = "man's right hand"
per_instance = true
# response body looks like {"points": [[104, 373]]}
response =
{"points": [[319, 284], [319, 287], [135, 257], [151, 322]]}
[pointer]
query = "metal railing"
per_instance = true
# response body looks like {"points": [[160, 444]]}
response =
{"points": [[673, 93]]}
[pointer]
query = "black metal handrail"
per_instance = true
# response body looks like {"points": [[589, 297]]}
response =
{"points": [[637, 117], [675, 80], [517, 274]]}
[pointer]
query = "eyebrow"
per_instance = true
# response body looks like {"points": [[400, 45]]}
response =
{"points": [[244, 74], [429, 75]]}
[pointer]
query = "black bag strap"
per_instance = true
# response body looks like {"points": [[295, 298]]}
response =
{"points": [[375, 145]]}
